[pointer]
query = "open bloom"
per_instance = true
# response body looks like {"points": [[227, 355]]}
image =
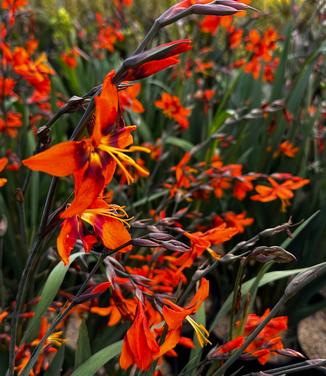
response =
{"points": [[139, 345], [264, 346], [172, 108], [203, 241], [287, 149], [93, 160], [282, 191], [128, 98], [11, 123], [174, 316], [108, 223]]}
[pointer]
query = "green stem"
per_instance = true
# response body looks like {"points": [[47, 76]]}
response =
{"points": [[26, 275], [236, 296]]}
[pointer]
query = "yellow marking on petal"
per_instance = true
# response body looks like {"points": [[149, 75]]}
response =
{"points": [[213, 254], [201, 332]]}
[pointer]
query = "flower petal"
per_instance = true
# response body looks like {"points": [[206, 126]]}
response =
{"points": [[61, 159], [67, 238], [90, 186]]}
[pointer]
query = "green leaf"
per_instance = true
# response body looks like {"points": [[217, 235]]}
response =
{"points": [[152, 197], [49, 292], [279, 81], [56, 365], [83, 351], [180, 143], [98, 360]]}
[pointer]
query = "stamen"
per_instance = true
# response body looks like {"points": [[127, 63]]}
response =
{"points": [[201, 332], [213, 254], [113, 211], [119, 156]]}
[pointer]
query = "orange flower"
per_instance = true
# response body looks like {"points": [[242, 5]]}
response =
{"points": [[242, 186], [238, 221], [10, 124], [282, 191], [155, 59], [209, 24], [183, 176], [3, 315], [172, 108], [128, 98], [204, 241], [36, 73], [287, 149], [262, 47], [264, 345], [107, 38], [8, 4], [268, 339], [70, 58], [123, 3], [201, 242], [175, 315], [6, 87], [139, 345], [93, 160], [107, 222], [228, 347], [119, 308]]}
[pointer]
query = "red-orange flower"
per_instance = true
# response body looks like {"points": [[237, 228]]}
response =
{"points": [[70, 58], [139, 345], [174, 316], [93, 160], [264, 345], [238, 221], [10, 123], [108, 223], [172, 108], [155, 59], [282, 191], [128, 98], [6, 87], [287, 149]]}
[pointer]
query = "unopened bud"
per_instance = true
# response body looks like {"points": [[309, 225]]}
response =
{"points": [[175, 245], [303, 279], [159, 236], [138, 242], [275, 253], [290, 353], [214, 9]]}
